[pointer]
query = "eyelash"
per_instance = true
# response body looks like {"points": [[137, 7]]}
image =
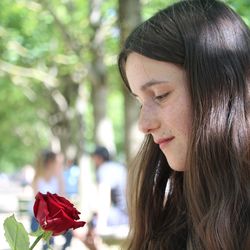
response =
{"points": [[156, 99], [160, 98]]}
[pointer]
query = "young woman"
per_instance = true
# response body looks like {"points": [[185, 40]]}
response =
{"points": [[48, 173], [189, 67]]}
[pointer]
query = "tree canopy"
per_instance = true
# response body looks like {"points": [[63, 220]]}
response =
{"points": [[51, 53]]}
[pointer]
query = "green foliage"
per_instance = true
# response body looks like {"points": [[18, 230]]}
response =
{"points": [[16, 234], [150, 7], [49, 36], [21, 127], [242, 7]]}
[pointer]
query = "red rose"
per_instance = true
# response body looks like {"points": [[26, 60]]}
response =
{"points": [[55, 213]]}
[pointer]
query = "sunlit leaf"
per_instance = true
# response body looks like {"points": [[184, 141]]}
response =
{"points": [[16, 234]]}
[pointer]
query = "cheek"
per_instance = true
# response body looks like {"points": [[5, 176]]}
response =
{"points": [[185, 120], [178, 117]]}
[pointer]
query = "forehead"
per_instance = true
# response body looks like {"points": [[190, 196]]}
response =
{"points": [[139, 65], [142, 70]]}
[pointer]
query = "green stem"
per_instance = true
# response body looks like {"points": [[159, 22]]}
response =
{"points": [[36, 241]]}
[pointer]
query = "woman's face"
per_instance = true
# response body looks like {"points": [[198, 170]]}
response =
{"points": [[166, 112]]}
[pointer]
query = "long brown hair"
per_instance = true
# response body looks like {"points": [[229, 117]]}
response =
{"points": [[207, 206], [41, 163]]}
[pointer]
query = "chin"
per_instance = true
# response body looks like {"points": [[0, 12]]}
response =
{"points": [[178, 169], [178, 166]]}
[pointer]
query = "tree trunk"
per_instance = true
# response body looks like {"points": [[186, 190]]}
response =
{"points": [[129, 18], [103, 131], [67, 124]]}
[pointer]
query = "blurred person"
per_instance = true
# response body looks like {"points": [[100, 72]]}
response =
{"points": [[111, 217], [27, 175], [111, 184], [71, 180], [48, 178], [48, 173]]}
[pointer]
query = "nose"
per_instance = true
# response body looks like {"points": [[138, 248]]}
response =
{"points": [[148, 121]]}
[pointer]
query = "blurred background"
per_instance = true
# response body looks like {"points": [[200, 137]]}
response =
{"points": [[60, 89]]}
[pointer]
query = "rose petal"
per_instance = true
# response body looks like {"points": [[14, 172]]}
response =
{"points": [[55, 213], [61, 223], [40, 208], [67, 206]]}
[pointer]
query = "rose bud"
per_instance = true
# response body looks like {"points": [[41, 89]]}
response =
{"points": [[55, 213]]}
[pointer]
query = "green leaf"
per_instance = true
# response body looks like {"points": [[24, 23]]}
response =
{"points": [[15, 234]]}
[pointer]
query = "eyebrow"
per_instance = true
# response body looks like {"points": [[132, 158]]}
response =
{"points": [[150, 84]]}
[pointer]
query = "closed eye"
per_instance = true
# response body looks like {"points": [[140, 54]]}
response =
{"points": [[160, 98]]}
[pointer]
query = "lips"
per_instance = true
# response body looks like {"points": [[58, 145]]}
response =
{"points": [[164, 141]]}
